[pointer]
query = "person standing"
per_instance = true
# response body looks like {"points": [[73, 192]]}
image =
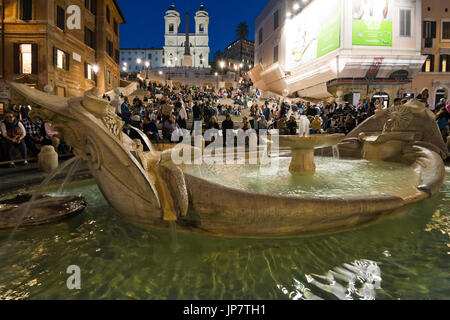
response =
{"points": [[182, 117], [125, 111]]}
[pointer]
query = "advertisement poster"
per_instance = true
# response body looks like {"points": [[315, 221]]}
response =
{"points": [[314, 32], [372, 23]]}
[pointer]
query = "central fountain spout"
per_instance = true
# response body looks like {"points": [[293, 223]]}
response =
{"points": [[303, 150]]}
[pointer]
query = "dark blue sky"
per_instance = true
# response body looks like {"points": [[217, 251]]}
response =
{"points": [[145, 20]]}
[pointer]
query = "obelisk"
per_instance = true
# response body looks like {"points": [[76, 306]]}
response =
{"points": [[187, 47]]}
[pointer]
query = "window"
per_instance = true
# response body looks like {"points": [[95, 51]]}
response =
{"points": [[429, 64], [446, 30], [405, 22], [26, 10], [171, 27], [117, 56], [89, 37], [150, 56], [25, 58], [61, 59], [60, 17], [202, 28], [109, 77], [110, 48], [88, 70], [116, 27], [275, 54], [443, 63], [429, 33], [276, 20], [91, 5], [108, 14], [260, 36]]}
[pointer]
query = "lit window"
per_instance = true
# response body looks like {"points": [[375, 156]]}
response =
{"points": [[89, 71], [60, 59], [428, 65], [27, 59]]}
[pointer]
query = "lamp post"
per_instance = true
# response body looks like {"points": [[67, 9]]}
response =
{"points": [[147, 64], [139, 61], [217, 78], [222, 66]]}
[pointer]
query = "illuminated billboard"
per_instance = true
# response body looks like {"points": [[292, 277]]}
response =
{"points": [[314, 32], [372, 22]]}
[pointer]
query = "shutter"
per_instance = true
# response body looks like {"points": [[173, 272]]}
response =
{"points": [[433, 30], [85, 70], [55, 56], [432, 63], [94, 7], [35, 56], [16, 58], [424, 29], [67, 61]]}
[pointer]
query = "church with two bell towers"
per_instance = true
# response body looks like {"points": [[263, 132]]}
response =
{"points": [[186, 49]]}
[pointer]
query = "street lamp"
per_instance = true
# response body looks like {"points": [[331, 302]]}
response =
{"points": [[222, 65]]}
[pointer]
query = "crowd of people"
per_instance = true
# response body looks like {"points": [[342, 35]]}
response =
{"points": [[164, 110], [19, 133]]}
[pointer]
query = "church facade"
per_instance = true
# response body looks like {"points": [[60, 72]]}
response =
{"points": [[175, 42]]}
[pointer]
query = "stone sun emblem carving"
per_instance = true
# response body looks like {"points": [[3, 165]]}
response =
{"points": [[399, 119]]}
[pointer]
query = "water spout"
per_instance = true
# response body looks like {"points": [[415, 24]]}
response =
{"points": [[336, 153], [304, 126]]}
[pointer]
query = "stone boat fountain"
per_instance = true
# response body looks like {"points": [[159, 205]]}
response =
{"points": [[147, 188]]}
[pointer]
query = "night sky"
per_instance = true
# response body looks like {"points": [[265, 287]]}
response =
{"points": [[145, 20]]}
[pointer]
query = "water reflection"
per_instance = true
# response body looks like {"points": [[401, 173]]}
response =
{"points": [[358, 280]]}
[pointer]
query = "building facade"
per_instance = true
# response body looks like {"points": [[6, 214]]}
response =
{"points": [[240, 55], [137, 59], [174, 48], [435, 73], [68, 46], [323, 48]]}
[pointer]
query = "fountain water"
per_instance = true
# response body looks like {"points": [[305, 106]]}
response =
{"points": [[304, 126], [24, 210], [336, 155]]}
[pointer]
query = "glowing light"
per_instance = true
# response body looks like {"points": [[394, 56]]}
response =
{"points": [[138, 60], [96, 68]]}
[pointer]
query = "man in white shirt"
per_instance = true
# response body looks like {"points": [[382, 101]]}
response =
{"points": [[14, 133]]}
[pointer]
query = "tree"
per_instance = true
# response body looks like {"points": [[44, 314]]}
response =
{"points": [[242, 30], [217, 57]]}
